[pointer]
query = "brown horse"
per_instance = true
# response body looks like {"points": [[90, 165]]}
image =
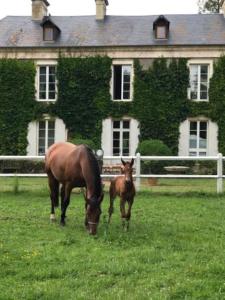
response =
{"points": [[123, 187], [74, 166]]}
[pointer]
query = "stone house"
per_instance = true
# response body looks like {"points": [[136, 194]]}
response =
{"points": [[200, 38]]}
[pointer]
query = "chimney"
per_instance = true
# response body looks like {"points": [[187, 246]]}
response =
{"points": [[101, 9], [39, 9]]}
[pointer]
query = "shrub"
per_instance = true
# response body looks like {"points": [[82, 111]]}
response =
{"points": [[153, 148]]}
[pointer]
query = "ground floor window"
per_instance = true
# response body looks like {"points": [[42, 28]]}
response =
{"points": [[46, 135], [198, 138], [121, 138], [43, 133]]}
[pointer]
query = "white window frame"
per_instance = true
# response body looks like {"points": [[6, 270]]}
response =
{"points": [[46, 119], [47, 64], [121, 130], [200, 62], [197, 150], [123, 63]]}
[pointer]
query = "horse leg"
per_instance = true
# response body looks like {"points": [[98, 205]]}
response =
{"points": [[65, 203], [128, 214], [86, 204], [111, 208], [54, 194], [112, 198], [122, 210], [62, 195]]}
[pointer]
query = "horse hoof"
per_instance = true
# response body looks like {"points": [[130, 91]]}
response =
{"points": [[62, 223], [52, 218]]}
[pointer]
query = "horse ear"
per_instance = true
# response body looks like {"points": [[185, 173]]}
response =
{"points": [[123, 162], [132, 162]]}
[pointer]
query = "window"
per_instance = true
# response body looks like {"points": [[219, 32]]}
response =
{"points": [[47, 83], [161, 32], [46, 135], [198, 138], [121, 138], [161, 27], [48, 33], [50, 30], [122, 82], [199, 81]]}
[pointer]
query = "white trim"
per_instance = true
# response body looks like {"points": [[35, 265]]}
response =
{"points": [[197, 150], [122, 62], [46, 121], [121, 130], [107, 135], [199, 62], [47, 64]]}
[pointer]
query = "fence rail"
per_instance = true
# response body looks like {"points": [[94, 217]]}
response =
{"points": [[138, 158]]}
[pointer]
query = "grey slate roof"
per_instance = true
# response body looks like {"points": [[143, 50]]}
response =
{"points": [[78, 31]]}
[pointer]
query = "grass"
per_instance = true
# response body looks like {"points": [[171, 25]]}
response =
{"points": [[173, 250]]}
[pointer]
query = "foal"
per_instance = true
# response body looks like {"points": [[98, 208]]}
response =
{"points": [[123, 187]]}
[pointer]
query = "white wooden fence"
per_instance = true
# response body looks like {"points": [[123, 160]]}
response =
{"points": [[138, 158]]}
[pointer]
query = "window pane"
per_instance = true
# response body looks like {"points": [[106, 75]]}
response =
{"points": [[192, 153], [116, 135], [117, 80], [198, 137], [116, 152], [42, 70], [193, 125], [202, 144], [194, 81], [203, 125], [52, 70], [126, 87], [42, 95], [52, 79], [202, 153], [161, 32], [116, 143], [126, 135], [116, 124], [43, 87], [43, 78], [51, 87], [204, 69], [203, 95], [126, 152], [51, 95], [193, 144], [126, 95], [48, 34], [126, 124], [126, 81]]}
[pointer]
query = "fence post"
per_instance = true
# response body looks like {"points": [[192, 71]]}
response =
{"points": [[138, 171], [220, 173]]}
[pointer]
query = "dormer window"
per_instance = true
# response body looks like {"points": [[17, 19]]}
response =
{"points": [[161, 28], [50, 30], [48, 33]]}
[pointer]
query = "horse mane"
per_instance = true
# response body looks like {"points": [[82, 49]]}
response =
{"points": [[96, 173]]}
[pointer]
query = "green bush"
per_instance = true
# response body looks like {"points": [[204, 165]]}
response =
{"points": [[153, 148]]}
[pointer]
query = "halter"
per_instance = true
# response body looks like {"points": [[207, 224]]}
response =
{"points": [[92, 223]]}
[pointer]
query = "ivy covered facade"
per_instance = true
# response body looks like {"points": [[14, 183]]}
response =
{"points": [[112, 92]]}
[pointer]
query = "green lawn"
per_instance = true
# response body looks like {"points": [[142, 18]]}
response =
{"points": [[174, 249]]}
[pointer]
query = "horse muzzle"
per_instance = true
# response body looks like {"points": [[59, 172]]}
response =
{"points": [[92, 227]]}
